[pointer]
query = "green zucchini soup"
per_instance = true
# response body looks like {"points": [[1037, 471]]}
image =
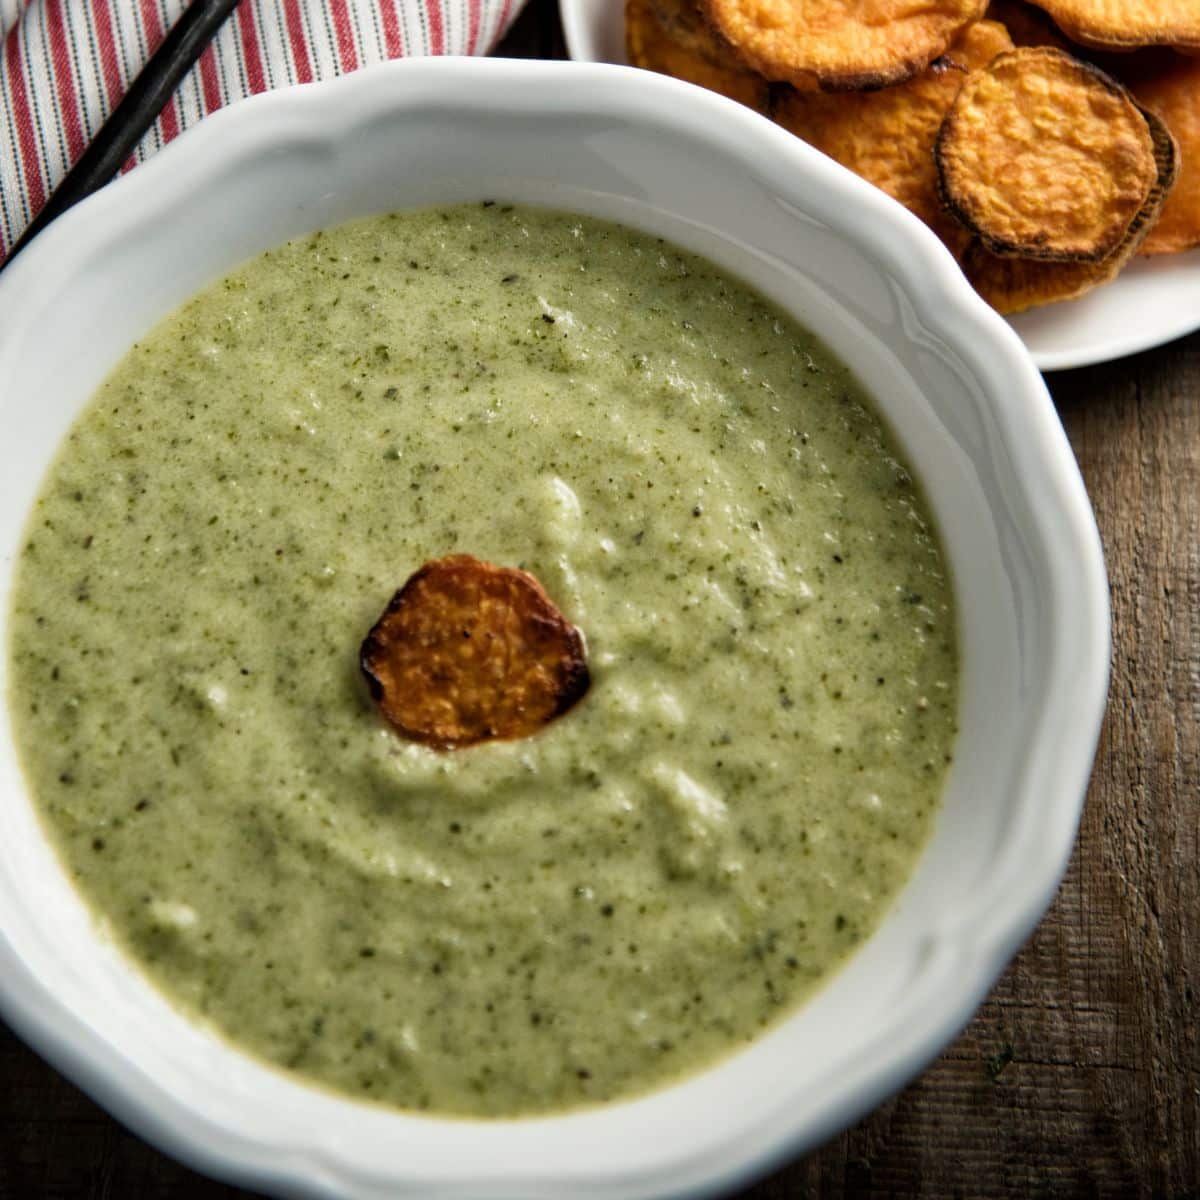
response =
{"points": [[586, 912]]}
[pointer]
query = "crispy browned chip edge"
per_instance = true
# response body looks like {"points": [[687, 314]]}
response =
{"points": [[1096, 36]]}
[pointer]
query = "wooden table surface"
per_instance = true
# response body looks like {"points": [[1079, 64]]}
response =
{"points": [[1080, 1075]]}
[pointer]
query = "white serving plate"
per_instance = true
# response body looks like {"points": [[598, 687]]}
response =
{"points": [[1153, 301], [963, 398]]}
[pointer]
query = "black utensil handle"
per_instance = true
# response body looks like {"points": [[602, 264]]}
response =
{"points": [[141, 104]]}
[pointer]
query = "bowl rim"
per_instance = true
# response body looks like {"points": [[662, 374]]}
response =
{"points": [[942, 301]]}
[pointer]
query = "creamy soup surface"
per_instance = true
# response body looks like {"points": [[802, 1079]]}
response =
{"points": [[635, 891]]}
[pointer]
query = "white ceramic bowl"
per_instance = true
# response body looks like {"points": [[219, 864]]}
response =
{"points": [[1154, 301], [952, 379]]}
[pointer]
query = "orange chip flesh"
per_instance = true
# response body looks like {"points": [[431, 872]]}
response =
{"points": [[1161, 80], [841, 45], [1124, 24], [673, 38], [887, 136], [1045, 157], [1169, 85], [1013, 285], [467, 652]]}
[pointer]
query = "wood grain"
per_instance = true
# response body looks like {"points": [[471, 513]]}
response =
{"points": [[1080, 1075]]}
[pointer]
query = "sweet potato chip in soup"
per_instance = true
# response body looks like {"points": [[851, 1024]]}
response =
{"points": [[468, 651], [841, 45], [1045, 157]]}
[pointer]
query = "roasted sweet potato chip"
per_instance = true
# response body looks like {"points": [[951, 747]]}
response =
{"points": [[1121, 24], [1012, 285], [841, 45], [672, 38], [685, 25], [1162, 80], [887, 136], [1045, 157], [1169, 84], [468, 651]]}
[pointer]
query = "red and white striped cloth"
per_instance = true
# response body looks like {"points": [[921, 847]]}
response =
{"points": [[67, 63]]}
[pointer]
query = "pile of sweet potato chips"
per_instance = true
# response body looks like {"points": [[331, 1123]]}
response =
{"points": [[1045, 145]]}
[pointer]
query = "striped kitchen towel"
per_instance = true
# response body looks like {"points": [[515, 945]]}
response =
{"points": [[67, 63]]}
